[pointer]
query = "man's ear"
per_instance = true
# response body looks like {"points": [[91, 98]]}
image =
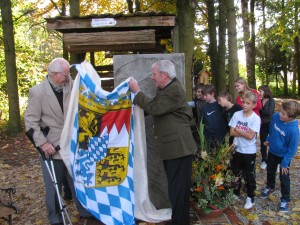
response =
{"points": [[254, 105]]}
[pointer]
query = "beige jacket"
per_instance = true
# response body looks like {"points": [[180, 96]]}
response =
{"points": [[43, 110]]}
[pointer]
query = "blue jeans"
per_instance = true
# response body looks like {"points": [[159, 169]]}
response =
{"points": [[272, 164]]}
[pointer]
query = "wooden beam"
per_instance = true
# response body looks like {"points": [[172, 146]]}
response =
{"points": [[115, 48], [106, 75], [68, 23], [158, 49], [107, 85], [104, 68], [110, 38]]}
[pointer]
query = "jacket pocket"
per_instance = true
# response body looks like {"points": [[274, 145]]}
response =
{"points": [[169, 137]]}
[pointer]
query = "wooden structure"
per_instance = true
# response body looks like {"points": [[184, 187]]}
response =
{"points": [[7, 208], [114, 34], [203, 76]]}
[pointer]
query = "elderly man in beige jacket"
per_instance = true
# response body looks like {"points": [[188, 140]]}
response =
{"points": [[47, 107]]}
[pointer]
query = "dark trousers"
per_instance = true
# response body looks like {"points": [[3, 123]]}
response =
{"points": [[273, 162], [244, 166], [52, 204], [264, 132], [179, 172]]}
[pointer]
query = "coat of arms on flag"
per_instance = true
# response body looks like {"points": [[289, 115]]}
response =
{"points": [[101, 158]]}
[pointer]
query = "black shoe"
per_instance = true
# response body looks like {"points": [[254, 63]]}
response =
{"points": [[68, 196], [60, 223]]}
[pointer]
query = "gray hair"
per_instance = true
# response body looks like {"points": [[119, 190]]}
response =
{"points": [[165, 66], [57, 65]]}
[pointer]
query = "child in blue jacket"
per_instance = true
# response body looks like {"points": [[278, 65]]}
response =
{"points": [[283, 144]]}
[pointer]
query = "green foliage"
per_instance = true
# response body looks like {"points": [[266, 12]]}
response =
{"points": [[103, 6], [168, 6], [34, 46]]}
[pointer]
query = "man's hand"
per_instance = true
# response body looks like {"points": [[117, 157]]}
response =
{"points": [[266, 143], [133, 85], [284, 171], [48, 148]]}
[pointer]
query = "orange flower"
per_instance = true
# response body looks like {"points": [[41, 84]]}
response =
{"points": [[198, 189], [219, 168], [213, 176], [221, 187]]}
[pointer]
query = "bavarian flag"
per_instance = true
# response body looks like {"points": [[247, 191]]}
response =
{"points": [[101, 155]]}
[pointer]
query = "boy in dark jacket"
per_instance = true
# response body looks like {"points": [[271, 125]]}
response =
{"points": [[215, 127]]}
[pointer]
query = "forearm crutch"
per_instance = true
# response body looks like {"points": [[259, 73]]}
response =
{"points": [[50, 168]]}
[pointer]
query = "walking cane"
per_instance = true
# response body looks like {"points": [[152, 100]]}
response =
{"points": [[50, 168]]}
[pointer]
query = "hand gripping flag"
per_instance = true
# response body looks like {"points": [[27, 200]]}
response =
{"points": [[101, 156]]}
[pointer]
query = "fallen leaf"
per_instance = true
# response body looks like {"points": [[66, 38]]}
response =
{"points": [[252, 217], [295, 216], [278, 223], [295, 209], [39, 222], [272, 198]]}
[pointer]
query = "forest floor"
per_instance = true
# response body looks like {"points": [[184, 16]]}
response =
{"points": [[20, 168]]}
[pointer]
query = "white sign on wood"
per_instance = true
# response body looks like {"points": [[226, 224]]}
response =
{"points": [[103, 22]]}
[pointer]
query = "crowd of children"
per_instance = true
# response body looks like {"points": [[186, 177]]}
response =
{"points": [[251, 115]]}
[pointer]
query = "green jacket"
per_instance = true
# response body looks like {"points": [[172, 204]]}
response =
{"points": [[172, 118]]}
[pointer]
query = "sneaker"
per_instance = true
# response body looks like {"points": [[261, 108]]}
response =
{"points": [[266, 192], [249, 203], [263, 166], [283, 206]]}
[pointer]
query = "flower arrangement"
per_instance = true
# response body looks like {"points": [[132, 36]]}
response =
{"points": [[211, 178]]}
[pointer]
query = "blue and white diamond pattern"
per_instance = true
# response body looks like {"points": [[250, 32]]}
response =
{"points": [[112, 205]]}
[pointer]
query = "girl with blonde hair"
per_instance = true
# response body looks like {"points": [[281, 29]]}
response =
{"points": [[242, 88]]}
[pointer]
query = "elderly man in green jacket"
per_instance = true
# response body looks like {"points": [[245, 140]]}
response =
{"points": [[176, 144]]}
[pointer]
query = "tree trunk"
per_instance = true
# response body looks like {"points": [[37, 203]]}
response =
{"points": [[14, 123], [65, 47], [75, 58], [298, 64], [296, 52], [266, 56], [212, 34], [233, 62], [74, 7], [285, 55], [137, 5], [221, 79], [186, 19], [130, 6], [295, 66], [285, 72], [297, 60], [248, 44], [252, 80]]}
